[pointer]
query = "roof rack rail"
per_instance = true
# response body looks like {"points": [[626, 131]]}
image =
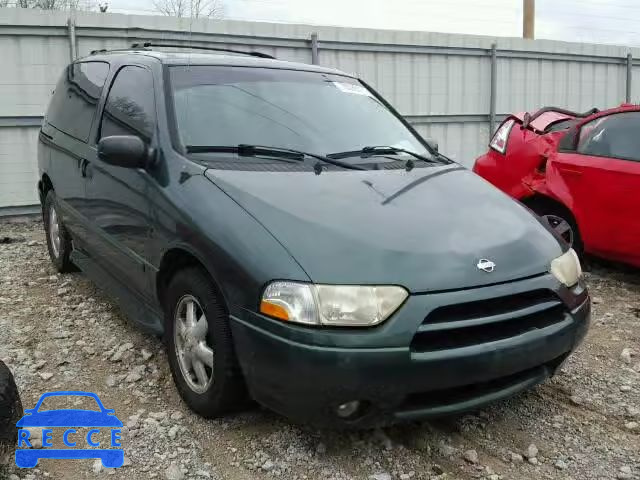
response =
{"points": [[148, 45], [104, 50]]}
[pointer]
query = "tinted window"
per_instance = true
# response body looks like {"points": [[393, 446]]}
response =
{"points": [[130, 107], [314, 112], [612, 136], [73, 105]]}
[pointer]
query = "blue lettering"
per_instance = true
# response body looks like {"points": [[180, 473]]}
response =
{"points": [[23, 437], [90, 434], [46, 437], [65, 438], [115, 437]]}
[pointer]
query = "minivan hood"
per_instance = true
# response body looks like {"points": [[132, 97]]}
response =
{"points": [[425, 229]]}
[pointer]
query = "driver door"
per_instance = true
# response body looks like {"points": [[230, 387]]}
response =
{"points": [[119, 197]]}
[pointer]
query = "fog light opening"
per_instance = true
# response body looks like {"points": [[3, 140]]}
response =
{"points": [[348, 409]]}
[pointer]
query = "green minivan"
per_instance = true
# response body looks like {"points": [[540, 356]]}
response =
{"points": [[294, 240]]}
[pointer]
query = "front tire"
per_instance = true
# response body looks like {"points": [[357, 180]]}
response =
{"points": [[58, 238], [200, 348]]}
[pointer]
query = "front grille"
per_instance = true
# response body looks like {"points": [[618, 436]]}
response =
{"points": [[484, 321]]}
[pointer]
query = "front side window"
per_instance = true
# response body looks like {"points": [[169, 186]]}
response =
{"points": [[309, 111], [614, 136], [130, 107], [75, 100]]}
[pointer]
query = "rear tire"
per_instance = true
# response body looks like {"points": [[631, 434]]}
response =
{"points": [[562, 222], [58, 238], [215, 386]]}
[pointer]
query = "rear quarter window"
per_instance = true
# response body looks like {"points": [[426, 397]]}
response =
{"points": [[73, 106]]}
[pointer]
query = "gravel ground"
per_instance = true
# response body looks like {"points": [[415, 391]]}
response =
{"points": [[58, 332]]}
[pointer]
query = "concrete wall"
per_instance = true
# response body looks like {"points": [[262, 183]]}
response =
{"points": [[441, 83]]}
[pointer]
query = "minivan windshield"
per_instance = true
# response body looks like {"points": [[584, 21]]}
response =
{"points": [[309, 111]]}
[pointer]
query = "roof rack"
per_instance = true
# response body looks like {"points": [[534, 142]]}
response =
{"points": [[104, 50], [148, 45]]}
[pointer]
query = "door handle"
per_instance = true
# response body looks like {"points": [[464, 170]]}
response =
{"points": [[86, 171]]}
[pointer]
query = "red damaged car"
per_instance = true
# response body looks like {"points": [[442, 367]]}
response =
{"points": [[578, 171]]}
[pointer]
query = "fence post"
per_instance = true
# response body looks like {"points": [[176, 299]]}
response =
{"points": [[71, 24], [629, 77], [493, 91], [314, 49]]}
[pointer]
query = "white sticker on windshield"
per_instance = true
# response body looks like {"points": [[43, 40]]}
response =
{"points": [[352, 88]]}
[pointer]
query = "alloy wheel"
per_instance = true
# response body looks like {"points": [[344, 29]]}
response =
{"points": [[561, 226], [54, 231], [195, 355]]}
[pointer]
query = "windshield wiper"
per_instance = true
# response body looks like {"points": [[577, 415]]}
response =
{"points": [[276, 152], [388, 150]]}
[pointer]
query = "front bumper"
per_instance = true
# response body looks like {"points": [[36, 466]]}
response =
{"points": [[305, 374]]}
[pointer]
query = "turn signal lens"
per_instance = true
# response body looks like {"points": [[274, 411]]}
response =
{"points": [[292, 300], [274, 310]]}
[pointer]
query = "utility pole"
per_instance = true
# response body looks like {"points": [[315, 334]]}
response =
{"points": [[528, 18]]}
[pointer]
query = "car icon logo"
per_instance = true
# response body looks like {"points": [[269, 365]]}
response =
{"points": [[68, 420], [486, 265]]}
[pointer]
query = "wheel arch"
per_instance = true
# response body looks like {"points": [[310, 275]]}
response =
{"points": [[176, 259], [44, 186], [539, 201]]}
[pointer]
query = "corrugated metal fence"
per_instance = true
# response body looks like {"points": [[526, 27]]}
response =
{"points": [[453, 88]]}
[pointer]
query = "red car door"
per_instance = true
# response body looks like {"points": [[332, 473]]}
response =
{"points": [[600, 180]]}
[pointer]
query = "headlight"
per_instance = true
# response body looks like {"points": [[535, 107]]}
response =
{"points": [[566, 268], [331, 305]]}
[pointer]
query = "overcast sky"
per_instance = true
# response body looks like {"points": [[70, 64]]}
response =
{"points": [[598, 21]]}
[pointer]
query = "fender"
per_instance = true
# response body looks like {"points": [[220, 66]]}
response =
{"points": [[551, 184], [216, 234]]}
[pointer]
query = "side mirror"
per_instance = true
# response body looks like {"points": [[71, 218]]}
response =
{"points": [[433, 145], [570, 141], [127, 151]]}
